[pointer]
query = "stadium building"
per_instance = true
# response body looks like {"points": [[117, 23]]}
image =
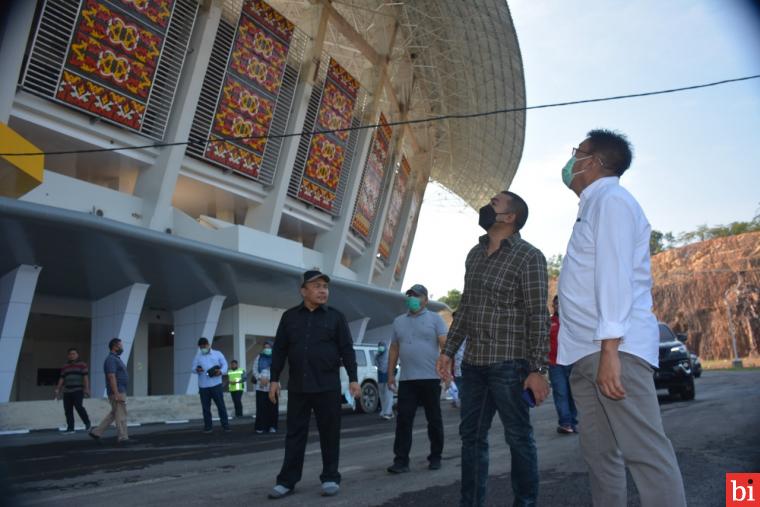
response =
{"points": [[124, 228]]}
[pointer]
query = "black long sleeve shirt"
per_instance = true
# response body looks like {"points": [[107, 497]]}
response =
{"points": [[314, 344]]}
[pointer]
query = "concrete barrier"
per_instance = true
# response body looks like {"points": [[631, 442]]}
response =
{"points": [[21, 416]]}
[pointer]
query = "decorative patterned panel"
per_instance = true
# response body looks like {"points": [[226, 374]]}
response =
{"points": [[371, 187], [405, 242], [254, 74], [248, 91], [325, 159], [400, 188], [113, 63]]}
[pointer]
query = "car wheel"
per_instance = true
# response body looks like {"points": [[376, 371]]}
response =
{"points": [[687, 392], [370, 398]]}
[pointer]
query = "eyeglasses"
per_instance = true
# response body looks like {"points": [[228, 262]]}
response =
{"points": [[576, 150]]}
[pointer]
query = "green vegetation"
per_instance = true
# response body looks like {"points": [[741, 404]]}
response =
{"points": [[659, 241], [452, 299], [553, 265]]}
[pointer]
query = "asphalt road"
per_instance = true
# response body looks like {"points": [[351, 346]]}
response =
{"points": [[177, 465]]}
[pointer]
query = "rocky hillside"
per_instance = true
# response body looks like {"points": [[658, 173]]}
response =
{"points": [[692, 285], [696, 286]]}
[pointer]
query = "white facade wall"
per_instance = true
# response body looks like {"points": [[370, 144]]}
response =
{"points": [[145, 181]]}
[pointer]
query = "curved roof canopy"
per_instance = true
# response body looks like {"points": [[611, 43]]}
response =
{"points": [[425, 58]]}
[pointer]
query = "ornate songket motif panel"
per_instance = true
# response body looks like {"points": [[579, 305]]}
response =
{"points": [[371, 187], [113, 57], [327, 150], [119, 60], [254, 75], [400, 188], [405, 242]]}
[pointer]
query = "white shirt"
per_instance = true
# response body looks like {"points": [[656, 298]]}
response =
{"points": [[605, 285], [207, 361]]}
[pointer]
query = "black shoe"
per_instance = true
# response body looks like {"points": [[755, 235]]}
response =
{"points": [[397, 468], [94, 436], [435, 464], [208, 431], [126, 442]]}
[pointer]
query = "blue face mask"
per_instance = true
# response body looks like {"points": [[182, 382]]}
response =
{"points": [[267, 352], [205, 350], [380, 350], [567, 171], [414, 304]]}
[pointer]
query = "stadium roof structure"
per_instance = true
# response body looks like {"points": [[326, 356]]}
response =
{"points": [[425, 58]]}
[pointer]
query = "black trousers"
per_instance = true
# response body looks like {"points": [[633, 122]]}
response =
{"points": [[326, 407], [73, 401], [266, 412], [215, 394], [237, 400], [411, 394]]}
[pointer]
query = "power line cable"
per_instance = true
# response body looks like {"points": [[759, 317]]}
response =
{"points": [[431, 119]]}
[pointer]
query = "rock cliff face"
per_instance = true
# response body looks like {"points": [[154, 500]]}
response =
{"points": [[697, 287]]}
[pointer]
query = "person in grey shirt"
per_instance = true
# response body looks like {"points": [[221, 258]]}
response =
{"points": [[386, 394], [418, 337]]}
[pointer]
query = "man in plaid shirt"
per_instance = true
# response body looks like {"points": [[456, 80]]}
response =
{"points": [[504, 316]]}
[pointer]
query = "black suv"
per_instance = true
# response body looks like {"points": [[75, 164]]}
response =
{"points": [[676, 371]]}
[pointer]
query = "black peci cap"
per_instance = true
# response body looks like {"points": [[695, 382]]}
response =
{"points": [[314, 274]]}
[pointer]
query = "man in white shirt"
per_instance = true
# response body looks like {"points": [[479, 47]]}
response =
{"points": [[210, 365], [609, 333]]}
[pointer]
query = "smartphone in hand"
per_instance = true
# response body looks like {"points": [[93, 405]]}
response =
{"points": [[527, 396]]}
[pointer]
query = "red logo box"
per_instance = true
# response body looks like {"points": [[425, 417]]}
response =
{"points": [[743, 490]]}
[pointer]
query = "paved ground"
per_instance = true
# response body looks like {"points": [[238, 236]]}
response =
{"points": [[177, 465]]}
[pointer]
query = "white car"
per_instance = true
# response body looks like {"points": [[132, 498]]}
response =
{"points": [[366, 373]]}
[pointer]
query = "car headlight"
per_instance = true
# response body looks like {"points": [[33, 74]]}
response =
{"points": [[678, 348]]}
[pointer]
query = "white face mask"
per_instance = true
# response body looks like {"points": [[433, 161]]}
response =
{"points": [[205, 350]]}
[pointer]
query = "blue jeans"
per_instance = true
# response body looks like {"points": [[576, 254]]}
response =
{"points": [[213, 393], [486, 390], [563, 397]]}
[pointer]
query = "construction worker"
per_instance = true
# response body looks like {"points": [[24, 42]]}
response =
{"points": [[236, 378]]}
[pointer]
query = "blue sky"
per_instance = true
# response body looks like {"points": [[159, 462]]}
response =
{"points": [[696, 153]]}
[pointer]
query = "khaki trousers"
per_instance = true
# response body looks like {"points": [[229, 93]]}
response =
{"points": [[628, 432], [118, 416]]}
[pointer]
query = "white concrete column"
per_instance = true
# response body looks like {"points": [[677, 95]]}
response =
{"points": [[113, 316], [139, 373], [190, 323], [331, 243], [16, 292], [15, 24], [238, 336], [266, 217], [156, 185], [358, 329]]}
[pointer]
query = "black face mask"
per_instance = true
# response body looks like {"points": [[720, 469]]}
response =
{"points": [[487, 217]]}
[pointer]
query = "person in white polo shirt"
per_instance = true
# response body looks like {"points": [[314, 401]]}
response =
{"points": [[609, 333], [418, 337]]}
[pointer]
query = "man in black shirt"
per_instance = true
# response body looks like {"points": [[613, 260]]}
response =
{"points": [[315, 340]]}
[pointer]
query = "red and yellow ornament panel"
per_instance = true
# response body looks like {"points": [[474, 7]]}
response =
{"points": [[371, 187], [112, 58], [254, 75], [327, 151], [394, 211]]}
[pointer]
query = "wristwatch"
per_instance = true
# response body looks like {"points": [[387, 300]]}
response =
{"points": [[541, 370]]}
